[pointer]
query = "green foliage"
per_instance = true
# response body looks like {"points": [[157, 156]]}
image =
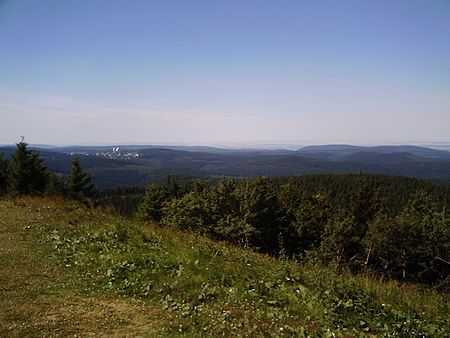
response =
{"points": [[309, 220], [27, 174], [172, 188], [77, 183], [124, 201], [415, 245], [258, 206], [350, 221], [156, 196], [212, 289], [3, 175], [226, 222], [244, 212], [189, 212], [150, 208]]}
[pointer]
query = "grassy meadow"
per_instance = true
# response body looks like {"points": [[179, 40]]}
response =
{"points": [[68, 270]]}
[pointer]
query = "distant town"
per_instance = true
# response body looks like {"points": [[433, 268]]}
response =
{"points": [[115, 153]]}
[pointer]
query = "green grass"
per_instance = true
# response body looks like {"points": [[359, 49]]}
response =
{"points": [[40, 295], [72, 270]]}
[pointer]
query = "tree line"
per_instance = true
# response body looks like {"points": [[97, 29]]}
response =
{"points": [[25, 174], [392, 226]]}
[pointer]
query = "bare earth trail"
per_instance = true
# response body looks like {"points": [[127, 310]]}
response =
{"points": [[38, 297]]}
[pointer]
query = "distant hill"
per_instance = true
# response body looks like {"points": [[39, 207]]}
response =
{"points": [[137, 164], [337, 151], [381, 158]]}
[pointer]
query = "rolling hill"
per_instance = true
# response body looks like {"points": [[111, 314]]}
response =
{"points": [[134, 164]]}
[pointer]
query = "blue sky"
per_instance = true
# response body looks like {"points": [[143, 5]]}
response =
{"points": [[224, 72]]}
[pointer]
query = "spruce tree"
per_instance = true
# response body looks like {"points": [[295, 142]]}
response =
{"points": [[151, 206], [27, 173], [78, 183], [3, 175]]}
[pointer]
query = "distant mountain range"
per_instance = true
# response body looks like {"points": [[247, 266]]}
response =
{"points": [[341, 151], [121, 165]]}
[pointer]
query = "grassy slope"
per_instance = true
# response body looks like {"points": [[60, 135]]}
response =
{"points": [[40, 296], [68, 270]]}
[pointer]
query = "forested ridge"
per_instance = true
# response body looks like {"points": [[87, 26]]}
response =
{"points": [[137, 165]]}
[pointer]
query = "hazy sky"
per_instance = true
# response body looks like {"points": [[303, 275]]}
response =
{"points": [[224, 72]]}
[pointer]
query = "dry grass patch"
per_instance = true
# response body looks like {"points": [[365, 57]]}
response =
{"points": [[99, 317]]}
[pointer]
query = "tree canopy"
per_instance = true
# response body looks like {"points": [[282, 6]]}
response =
{"points": [[78, 183], [27, 174], [395, 227], [3, 175]]}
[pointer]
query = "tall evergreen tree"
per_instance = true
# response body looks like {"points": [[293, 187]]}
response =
{"points": [[78, 183], [3, 175], [27, 173], [259, 208], [310, 218], [150, 208]]}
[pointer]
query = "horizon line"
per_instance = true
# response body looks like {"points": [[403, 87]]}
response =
{"points": [[243, 145]]}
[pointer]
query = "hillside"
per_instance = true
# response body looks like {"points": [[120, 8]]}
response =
{"points": [[134, 165], [70, 270], [337, 151]]}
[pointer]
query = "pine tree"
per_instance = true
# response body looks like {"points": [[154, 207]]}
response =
{"points": [[3, 175], [27, 173], [150, 208], [259, 208], [78, 183]]}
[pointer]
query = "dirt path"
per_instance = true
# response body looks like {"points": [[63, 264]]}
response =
{"points": [[39, 297]]}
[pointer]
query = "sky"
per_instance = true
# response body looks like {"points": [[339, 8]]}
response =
{"points": [[224, 72]]}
